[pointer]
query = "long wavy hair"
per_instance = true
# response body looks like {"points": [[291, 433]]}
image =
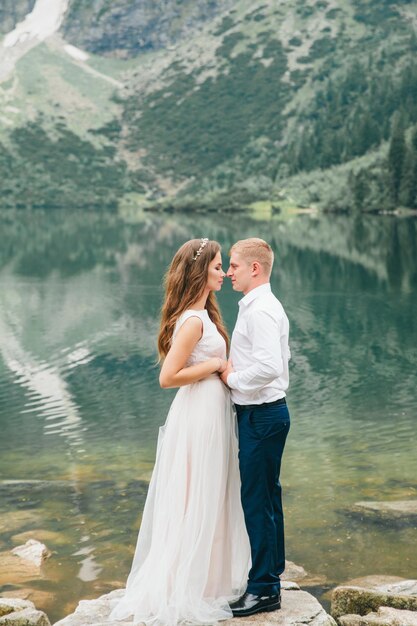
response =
{"points": [[185, 282]]}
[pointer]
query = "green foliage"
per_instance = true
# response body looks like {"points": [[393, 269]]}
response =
{"points": [[256, 15], [351, 113], [111, 130], [226, 24], [379, 181], [376, 13], [228, 45], [305, 10], [321, 48], [212, 131], [396, 158], [408, 184], [189, 129], [333, 13], [65, 170]]}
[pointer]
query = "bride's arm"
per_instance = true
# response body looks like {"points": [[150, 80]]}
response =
{"points": [[173, 371]]}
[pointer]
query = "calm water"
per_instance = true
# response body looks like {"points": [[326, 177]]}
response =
{"points": [[80, 405]]}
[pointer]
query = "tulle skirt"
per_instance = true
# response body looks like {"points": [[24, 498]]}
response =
{"points": [[192, 554]]}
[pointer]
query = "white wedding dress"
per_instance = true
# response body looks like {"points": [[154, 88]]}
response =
{"points": [[192, 553]]}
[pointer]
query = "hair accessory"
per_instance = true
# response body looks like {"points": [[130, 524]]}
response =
{"points": [[203, 242]]}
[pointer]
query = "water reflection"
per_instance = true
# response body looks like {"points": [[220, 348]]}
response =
{"points": [[370, 246], [47, 393], [80, 403]]}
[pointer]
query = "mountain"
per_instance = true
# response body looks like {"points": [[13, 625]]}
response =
{"points": [[12, 12], [126, 29], [212, 103]]}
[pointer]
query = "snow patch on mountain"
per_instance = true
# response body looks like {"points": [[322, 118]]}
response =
{"points": [[44, 20], [76, 53]]}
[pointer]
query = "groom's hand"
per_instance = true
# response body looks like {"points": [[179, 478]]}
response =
{"points": [[229, 369]]}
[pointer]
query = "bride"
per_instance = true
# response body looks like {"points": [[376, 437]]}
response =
{"points": [[192, 553]]}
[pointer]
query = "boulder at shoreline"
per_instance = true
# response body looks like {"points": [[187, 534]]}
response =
{"points": [[384, 617], [297, 573], [16, 612], [364, 595], [33, 551], [17, 571], [298, 607]]}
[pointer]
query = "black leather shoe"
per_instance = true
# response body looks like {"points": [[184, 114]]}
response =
{"points": [[249, 604]]}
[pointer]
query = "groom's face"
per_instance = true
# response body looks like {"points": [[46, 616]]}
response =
{"points": [[240, 273]]}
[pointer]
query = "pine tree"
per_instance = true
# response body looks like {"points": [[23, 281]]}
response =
{"points": [[408, 187], [360, 189], [408, 190], [396, 158], [414, 139]]}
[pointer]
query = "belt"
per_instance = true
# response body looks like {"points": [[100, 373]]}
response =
{"points": [[256, 406]]}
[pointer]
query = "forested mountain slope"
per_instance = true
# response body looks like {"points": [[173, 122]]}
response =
{"points": [[216, 104]]}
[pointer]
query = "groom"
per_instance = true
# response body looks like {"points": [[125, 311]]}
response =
{"points": [[257, 375]]}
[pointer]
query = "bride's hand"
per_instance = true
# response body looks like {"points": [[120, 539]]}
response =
{"points": [[222, 365], [229, 370]]}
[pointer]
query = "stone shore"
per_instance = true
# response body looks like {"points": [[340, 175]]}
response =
{"points": [[298, 608], [16, 612], [367, 601]]}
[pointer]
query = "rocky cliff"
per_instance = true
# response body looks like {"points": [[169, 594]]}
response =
{"points": [[12, 11], [125, 29]]}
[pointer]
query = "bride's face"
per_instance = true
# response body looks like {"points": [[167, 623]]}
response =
{"points": [[215, 274]]}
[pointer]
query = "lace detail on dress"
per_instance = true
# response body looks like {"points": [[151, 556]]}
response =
{"points": [[211, 343]]}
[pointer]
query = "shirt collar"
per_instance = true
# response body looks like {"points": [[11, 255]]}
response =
{"points": [[254, 293]]}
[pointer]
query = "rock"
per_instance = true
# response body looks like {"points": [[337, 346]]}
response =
{"points": [[385, 617], [126, 28], [289, 585], [298, 607], [25, 617], [9, 605], [39, 597], [389, 584], [33, 551], [362, 595], [16, 612], [12, 521], [12, 12], [397, 511], [15, 571], [293, 572], [41, 534], [407, 587], [93, 611]]}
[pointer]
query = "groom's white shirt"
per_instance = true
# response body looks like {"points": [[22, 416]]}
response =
{"points": [[259, 349]]}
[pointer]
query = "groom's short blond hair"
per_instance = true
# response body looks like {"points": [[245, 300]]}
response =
{"points": [[255, 249]]}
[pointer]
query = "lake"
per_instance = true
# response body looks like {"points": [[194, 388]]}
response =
{"points": [[80, 404]]}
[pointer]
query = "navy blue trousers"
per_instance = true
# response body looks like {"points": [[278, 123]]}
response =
{"points": [[263, 430]]}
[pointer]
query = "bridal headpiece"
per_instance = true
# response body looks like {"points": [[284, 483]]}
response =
{"points": [[203, 242]]}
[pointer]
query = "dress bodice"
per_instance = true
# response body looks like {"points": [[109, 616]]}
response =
{"points": [[211, 344]]}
